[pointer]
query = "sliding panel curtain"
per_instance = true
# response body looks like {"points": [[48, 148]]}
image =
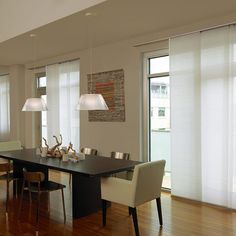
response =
{"points": [[62, 97], [185, 116], [203, 116], [4, 108]]}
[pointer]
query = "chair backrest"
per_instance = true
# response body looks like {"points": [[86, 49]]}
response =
{"points": [[89, 151], [147, 181], [10, 145], [33, 177], [120, 155], [6, 167]]}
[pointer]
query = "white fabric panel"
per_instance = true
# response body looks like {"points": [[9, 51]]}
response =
{"points": [[217, 114], [4, 108], [53, 117], [62, 97], [203, 104], [185, 116]]}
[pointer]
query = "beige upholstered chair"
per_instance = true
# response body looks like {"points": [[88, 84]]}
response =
{"points": [[145, 186], [34, 182], [88, 151], [10, 145]]}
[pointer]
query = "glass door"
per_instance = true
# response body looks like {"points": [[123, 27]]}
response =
{"points": [[159, 113]]}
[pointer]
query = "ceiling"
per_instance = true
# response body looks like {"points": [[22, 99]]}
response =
{"points": [[115, 20], [17, 17]]}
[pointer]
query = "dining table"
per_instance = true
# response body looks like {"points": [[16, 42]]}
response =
{"points": [[86, 174]]}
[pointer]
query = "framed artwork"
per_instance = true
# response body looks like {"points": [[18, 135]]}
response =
{"points": [[111, 85]]}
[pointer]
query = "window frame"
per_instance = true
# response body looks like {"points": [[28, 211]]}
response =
{"points": [[146, 97], [40, 90]]}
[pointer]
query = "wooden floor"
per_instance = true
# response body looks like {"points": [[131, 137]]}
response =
{"points": [[180, 218]]}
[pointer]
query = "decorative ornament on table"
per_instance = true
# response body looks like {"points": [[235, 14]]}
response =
{"points": [[56, 151]]}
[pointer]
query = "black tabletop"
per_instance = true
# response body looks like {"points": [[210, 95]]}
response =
{"points": [[92, 165]]}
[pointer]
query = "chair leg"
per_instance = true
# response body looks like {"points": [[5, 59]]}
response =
{"points": [[63, 204], [70, 180], [15, 188], [130, 211], [135, 220], [104, 211], [38, 204], [7, 196], [30, 198], [49, 202], [158, 200], [21, 198]]}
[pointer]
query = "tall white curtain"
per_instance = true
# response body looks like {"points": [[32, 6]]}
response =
{"points": [[4, 108], [203, 116], [62, 97]]}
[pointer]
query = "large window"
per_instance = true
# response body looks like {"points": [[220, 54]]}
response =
{"points": [[4, 107], [157, 74], [63, 93], [59, 87], [203, 113]]}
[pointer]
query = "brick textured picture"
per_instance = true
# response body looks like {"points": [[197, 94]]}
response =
{"points": [[111, 85]]}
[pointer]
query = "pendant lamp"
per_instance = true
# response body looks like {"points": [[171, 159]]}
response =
{"points": [[34, 104], [91, 101]]}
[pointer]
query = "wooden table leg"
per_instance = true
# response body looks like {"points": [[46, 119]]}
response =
{"points": [[86, 195]]}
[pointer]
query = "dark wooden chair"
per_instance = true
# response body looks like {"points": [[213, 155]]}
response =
{"points": [[34, 182], [6, 168], [123, 156], [120, 155], [88, 151]]}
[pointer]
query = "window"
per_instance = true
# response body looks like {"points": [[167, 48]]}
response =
{"points": [[4, 107], [159, 90], [157, 75], [41, 81], [161, 111], [151, 112], [63, 91], [159, 64], [60, 90]]}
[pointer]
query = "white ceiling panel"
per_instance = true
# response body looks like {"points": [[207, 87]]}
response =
{"points": [[20, 16]]}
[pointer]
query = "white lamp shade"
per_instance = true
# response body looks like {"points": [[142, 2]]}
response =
{"points": [[92, 102], [34, 104]]}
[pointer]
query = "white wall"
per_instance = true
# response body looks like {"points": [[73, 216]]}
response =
{"points": [[115, 136], [4, 70]]}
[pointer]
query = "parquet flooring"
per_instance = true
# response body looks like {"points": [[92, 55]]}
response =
{"points": [[181, 218]]}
